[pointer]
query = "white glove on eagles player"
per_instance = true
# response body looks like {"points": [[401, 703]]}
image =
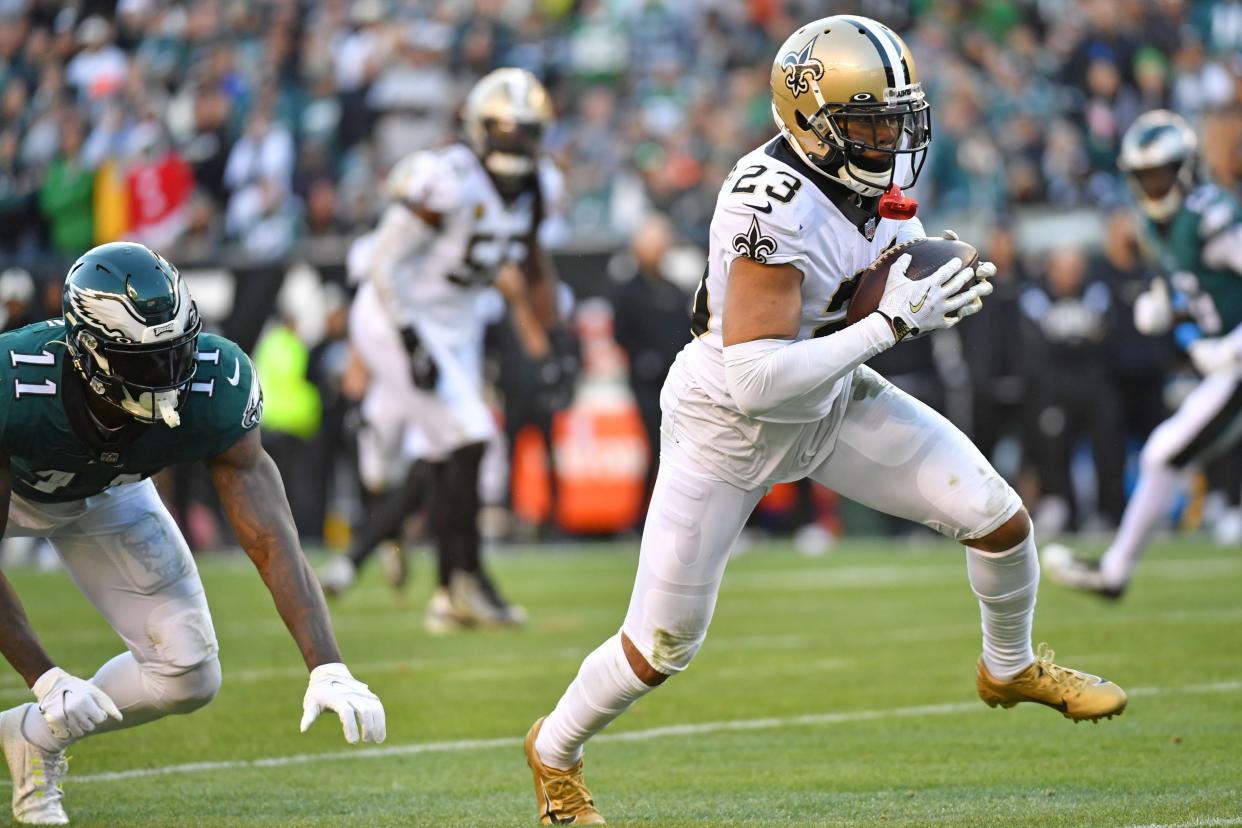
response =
{"points": [[1213, 354], [72, 707], [333, 688], [1153, 312], [914, 308]]}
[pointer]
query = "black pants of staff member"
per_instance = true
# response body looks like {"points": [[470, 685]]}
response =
{"points": [[1068, 409]]}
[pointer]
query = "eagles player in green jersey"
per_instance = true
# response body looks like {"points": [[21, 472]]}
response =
{"points": [[91, 405], [1194, 231]]}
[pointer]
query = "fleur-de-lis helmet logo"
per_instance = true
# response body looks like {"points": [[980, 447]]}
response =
{"points": [[753, 244], [800, 69]]}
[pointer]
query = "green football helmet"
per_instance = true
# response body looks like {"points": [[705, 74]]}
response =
{"points": [[132, 330]]}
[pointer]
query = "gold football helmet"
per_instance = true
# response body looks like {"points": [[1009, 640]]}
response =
{"points": [[847, 98], [505, 116]]}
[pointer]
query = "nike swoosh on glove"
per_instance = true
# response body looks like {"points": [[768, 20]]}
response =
{"points": [[333, 688], [914, 308], [72, 707]]}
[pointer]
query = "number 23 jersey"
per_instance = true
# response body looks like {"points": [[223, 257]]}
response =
{"points": [[774, 209], [54, 458], [438, 288]]}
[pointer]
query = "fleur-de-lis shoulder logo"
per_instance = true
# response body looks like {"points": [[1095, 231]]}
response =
{"points": [[798, 66], [753, 244]]}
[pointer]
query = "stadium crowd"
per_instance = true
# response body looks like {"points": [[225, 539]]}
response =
{"points": [[226, 131]]}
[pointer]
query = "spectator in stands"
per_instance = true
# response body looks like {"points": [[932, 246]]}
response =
{"points": [[20, 219], [66, 195], [1074, 395], [98, 71], [651, 322]]}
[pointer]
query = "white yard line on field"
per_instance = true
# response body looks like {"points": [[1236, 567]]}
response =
{"points": [[693, 729], [1198, 823]]}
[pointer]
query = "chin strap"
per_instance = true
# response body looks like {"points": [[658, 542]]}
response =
{"points": [[168, 411], [896, 205]]}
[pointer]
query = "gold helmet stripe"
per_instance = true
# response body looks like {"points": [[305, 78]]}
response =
{"points": [[890, 52]]}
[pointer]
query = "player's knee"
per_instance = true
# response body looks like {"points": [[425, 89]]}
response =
{"points": [[1155, 454], [1009, 534], [188, 691], [647, 672], [185, 661]]}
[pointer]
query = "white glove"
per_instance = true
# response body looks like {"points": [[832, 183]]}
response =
{"points": [[1153, 312], [71, 706], [333, 688], [1213, 355], [914, 308]]}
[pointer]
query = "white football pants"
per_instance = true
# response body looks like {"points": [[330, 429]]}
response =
{"points": [[127, 556], [402, 423], [892, 453], [1208, 422]]}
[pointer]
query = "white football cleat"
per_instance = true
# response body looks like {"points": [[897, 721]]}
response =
{"points": [[1227, 531], [337, 576], [476, 601], [441, 617], [1062, 567], [36, 774]]}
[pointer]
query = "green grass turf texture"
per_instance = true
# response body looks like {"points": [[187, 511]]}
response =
{"points": [[873, 627]]}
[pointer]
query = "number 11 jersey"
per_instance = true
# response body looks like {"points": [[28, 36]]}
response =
{"points": [[54, 453]]}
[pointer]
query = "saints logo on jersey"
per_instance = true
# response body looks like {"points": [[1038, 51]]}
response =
{"points": [[798, 66], [753, 244]]}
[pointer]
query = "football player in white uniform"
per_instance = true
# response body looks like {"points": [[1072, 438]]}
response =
{"points": [[773, 388], [460, 219]]}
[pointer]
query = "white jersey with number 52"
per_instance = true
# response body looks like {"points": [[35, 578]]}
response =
{"points": [[774, 209], [438, 288]]}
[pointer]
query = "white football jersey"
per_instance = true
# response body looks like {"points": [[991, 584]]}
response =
{"points": [[772, 208], [438, 288]]}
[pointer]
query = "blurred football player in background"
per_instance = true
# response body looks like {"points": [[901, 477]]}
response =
{"points": [[461, 219], [91, 405], [1193, 230], [773, 388]]}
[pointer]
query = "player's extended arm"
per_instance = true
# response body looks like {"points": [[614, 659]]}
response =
{"points": [[18, 642], [254, 499], [765, 368], [531, 332], [403, 229], [70, 706]]}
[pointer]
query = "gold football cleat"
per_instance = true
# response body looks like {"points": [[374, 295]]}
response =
{"points": [[1076, 694], [561, 795]]}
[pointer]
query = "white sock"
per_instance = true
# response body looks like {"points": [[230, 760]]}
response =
{"points": [[1005, 584], [1148, 505], [604, 688], [36, 731]]}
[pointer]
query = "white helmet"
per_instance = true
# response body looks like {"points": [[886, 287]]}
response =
{"points": [[1160, 138]]}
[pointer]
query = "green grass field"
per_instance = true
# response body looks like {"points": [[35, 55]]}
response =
{"points": [[837, 691]]}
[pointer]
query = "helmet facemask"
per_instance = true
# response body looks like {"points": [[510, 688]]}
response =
{"points": [[853, 135], [147, 382], [509, 151]]}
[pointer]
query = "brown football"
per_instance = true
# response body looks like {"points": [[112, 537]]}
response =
{"points": [[926, 257]]}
